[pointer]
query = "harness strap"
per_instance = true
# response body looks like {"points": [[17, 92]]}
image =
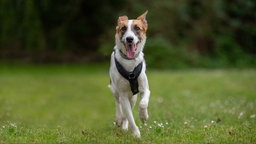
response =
{"points": [[132, 77]]}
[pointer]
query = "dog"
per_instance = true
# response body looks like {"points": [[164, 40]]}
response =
{"points": [[128, 71]]}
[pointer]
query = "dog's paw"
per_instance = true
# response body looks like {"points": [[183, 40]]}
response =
{"points": [[119, 120], [143, 113], [125, 124], [118, 123], [136, 132]]}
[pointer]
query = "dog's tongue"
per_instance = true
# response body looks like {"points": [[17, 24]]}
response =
{"points": [[130, 50]]}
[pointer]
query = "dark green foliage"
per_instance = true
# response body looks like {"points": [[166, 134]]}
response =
{"points": [[42, 27], [205, 33], [181, 33]]}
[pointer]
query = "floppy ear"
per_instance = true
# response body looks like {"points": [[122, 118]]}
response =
{"points": [[143, 17]]}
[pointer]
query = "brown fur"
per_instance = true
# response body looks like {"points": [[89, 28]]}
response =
{"points": [[139, 22]]}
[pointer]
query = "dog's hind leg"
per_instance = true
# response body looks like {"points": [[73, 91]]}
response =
{"points": [[126, 105], [119, 112], [125, 123]]}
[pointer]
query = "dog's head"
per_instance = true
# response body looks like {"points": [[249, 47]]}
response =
{"points": [[131, 34]]}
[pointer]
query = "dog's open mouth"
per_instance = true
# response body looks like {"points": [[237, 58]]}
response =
{"points": [[131, 50]]}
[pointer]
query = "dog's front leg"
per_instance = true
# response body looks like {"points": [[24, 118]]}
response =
{"points": [[143, 109], [145, 94], [124, 99]]}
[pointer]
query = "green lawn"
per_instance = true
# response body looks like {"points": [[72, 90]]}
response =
{"points": [[72, 104]]}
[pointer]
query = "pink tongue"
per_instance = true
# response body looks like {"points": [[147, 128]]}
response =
{"points": [[130, 50]]}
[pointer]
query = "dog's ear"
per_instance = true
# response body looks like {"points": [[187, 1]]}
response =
{"points": [[122, 18], [143, 17]]}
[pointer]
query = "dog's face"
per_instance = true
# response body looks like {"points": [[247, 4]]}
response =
{"points": [[131, 34]]}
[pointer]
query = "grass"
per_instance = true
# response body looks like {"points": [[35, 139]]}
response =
{"points": [[72, 104]]}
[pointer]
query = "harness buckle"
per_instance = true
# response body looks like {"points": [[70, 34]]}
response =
{"points": [[131, 76]]}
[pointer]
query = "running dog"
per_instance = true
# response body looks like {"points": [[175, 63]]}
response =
{"points": [[128, 71]]}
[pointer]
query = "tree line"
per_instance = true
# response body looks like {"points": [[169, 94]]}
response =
{"points": [[181, 33]]}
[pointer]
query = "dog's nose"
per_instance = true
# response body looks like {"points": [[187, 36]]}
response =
{"points": [[129, 39]]}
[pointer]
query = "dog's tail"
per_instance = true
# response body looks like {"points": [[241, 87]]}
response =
{"points": [[110, 86]]}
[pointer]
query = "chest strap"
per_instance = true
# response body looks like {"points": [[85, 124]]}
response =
{"points": [[132, 77]]}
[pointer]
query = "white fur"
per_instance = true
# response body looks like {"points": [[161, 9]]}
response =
{"points": [[120, 87], [130, 33]]}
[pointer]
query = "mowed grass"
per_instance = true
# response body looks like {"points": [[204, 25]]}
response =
{"points": [[72, 104]]}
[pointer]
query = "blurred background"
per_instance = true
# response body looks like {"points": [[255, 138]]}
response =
{"points": [[182, 33]]}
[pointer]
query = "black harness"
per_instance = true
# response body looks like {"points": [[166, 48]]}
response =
{"points": [[132, 77]]}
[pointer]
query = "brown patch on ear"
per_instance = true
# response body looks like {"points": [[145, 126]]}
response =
{"points": [[120, 20], [143, 19]]}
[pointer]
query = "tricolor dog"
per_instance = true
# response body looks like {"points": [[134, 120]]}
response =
{"points": [[127, 71]]}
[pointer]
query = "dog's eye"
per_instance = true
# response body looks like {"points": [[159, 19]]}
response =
{"points": [[137, 28], [124, 28]]}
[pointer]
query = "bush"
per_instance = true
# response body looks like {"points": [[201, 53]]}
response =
{"points": [[161, 53]]}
